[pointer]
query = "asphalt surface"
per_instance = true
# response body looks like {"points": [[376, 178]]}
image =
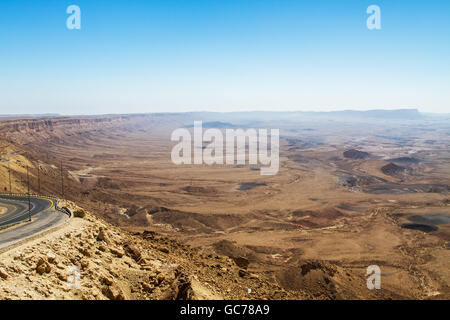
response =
{"points": [[43, 217]]}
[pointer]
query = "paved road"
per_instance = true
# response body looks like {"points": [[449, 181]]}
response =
{"points": [[43, 217]]}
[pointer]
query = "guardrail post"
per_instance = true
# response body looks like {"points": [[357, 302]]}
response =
{"points": [[29, 200]]}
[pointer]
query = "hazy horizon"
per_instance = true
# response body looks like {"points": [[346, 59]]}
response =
{"points": [[207, 111]]}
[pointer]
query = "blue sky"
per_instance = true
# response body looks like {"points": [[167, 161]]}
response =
{"points": [[174, 56]]}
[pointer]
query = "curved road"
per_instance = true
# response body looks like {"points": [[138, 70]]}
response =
{"points": [[43, 217]]}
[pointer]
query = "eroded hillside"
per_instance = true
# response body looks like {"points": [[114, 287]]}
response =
{"points": [[115, 264], [308, 232]]}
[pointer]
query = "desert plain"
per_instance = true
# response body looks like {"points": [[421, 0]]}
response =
{"points": [[352, 190]]}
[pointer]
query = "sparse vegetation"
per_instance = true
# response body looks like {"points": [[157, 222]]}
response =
{"points": [[79, 214]]}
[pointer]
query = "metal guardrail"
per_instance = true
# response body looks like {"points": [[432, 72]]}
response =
{"points": [[65, 211]]}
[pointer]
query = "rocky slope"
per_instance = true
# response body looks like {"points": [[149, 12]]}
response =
{"points": [[24, 131], [115, 264]]}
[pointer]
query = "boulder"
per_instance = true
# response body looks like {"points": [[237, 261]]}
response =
{"points": [[113, 292], [85, 252], [133, 252], [107, 281], [43, 266], [117, 252], [3, 274], [51, 257], [62, 276], [102, 235], [84, 264], [147, 287], [241, 262]]}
